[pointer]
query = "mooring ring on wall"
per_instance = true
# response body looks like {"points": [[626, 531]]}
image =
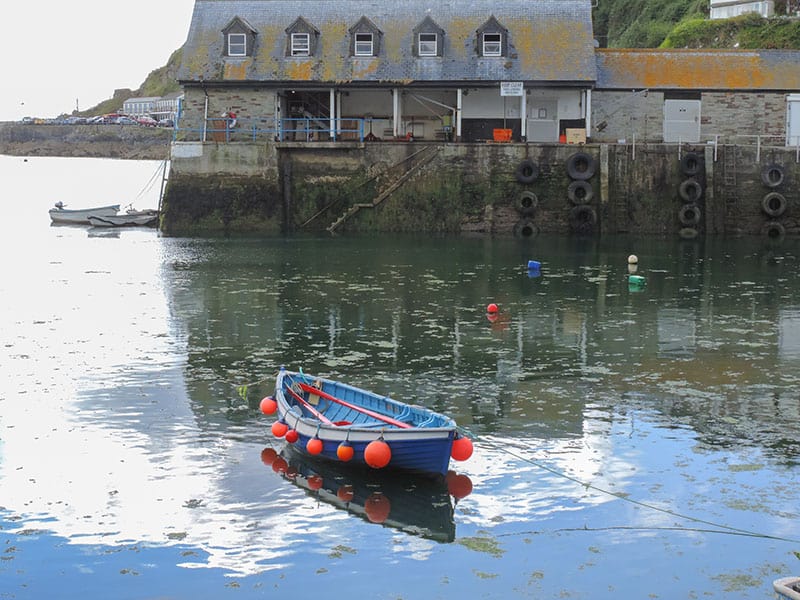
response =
{"points": [[774, 204], [525, 228], [582, 219], [690, 190], [581, 165], [773, 230], [690, 163], [689, 215], [772, 175], [580, 192], [527, 202], [687, 233], [527, 171]]}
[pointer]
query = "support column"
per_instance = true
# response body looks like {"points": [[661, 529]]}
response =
{"points": [[458, 115], [523, 115], [396, 116], [332, 113], [588, 108]]}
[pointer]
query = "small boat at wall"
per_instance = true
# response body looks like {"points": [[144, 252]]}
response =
{"points": [[338, 422], [130, 218], [787, 588], [418, 506], [80, 216]]}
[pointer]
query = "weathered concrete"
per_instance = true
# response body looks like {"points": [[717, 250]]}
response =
{"points": [[643, 189]]}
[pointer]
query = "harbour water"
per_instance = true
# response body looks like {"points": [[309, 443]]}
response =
{"points": [[632, 440]]}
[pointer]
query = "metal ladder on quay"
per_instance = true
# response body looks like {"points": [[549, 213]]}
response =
{"points": [[730, 188]]}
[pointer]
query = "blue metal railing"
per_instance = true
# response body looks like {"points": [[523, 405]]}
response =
{"points": [[304, 129]]}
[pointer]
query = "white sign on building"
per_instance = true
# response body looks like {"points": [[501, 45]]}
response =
{"points": [[511, 88]]}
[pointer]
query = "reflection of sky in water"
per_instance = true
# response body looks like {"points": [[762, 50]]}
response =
{"points": [[120, 424]]}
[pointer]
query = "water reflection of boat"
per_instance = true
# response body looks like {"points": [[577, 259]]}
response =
{"points": [[416, 505]]}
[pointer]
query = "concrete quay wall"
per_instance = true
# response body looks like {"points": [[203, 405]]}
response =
{"points": [[498, 188]]}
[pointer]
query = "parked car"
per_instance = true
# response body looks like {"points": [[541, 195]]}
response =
{"points": [[123, 120], [166, 123], [147, 121]]}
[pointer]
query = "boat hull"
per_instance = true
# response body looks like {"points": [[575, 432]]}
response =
{"points": [[787, 588], [81, 215], [131, 219], [417, 449]]}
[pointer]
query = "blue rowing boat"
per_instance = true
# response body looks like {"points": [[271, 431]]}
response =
{"points": [[336, 421]]}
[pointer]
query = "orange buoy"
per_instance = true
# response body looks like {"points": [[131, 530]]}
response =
{"points": [[280, 465], [279, 429], [268, 405], [345, 493], [314, 482], [314, 446], [291, 472], [492, 308], [345, 451], [461, 448], [377, 454], [292, 436], [377, 507], [268, 456]]}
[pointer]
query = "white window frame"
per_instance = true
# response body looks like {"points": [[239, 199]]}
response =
{"points": [[493, 47], [429, 46], [301, 44], [362, 41], [237, 44]]}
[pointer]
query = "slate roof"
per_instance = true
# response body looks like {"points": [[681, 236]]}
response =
{"points": [[550, 42], [723, 70]]}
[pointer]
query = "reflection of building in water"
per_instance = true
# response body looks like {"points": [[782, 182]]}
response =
{"points": [[676, 332], [789, 334]]}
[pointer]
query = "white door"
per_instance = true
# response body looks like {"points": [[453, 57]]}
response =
{"points": [[682, 121], [793, 120]]}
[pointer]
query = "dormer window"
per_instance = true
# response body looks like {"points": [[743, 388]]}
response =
{"points": [[428, 39], [492, 39], [492, 44], [240, 38], [301, 44], [428, 43], [364, 44], [301, 38], [237, 44], [365, 38]]}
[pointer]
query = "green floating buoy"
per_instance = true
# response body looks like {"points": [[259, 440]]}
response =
{"points": [[636, 281]]}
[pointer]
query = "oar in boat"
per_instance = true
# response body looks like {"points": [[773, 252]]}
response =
{"points": [[310, 408], [311, 389]]}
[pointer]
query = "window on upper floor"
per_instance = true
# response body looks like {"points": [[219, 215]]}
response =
{"points": [[301, 44], [492, 39], [237, 44], [365, 38], [239, 38], [492, 44], [364, 46], [428, 44]]}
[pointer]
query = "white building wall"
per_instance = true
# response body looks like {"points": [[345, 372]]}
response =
{"points": [[725, 9]]}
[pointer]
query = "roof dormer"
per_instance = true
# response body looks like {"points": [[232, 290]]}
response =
{"points": [[492, 39], [365, 38], [240, 38], [301, 38], [428, 39]]}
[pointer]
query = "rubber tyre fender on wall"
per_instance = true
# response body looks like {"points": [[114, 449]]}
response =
{"points": [[690, 190], [773, 230], [581, 166], [772, 175], [527, 171], [691, 163], [773, 204], [689, 215], [525, 228], [580, 192], [582, 219], [527, 203]]}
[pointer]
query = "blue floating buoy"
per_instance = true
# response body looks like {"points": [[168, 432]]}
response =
{"points": [[534, 265]]}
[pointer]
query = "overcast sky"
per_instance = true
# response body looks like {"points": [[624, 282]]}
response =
{"points": [[56, 54]]}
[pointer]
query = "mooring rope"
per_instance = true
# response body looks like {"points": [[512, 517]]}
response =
{"points": [[725, 528]]}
